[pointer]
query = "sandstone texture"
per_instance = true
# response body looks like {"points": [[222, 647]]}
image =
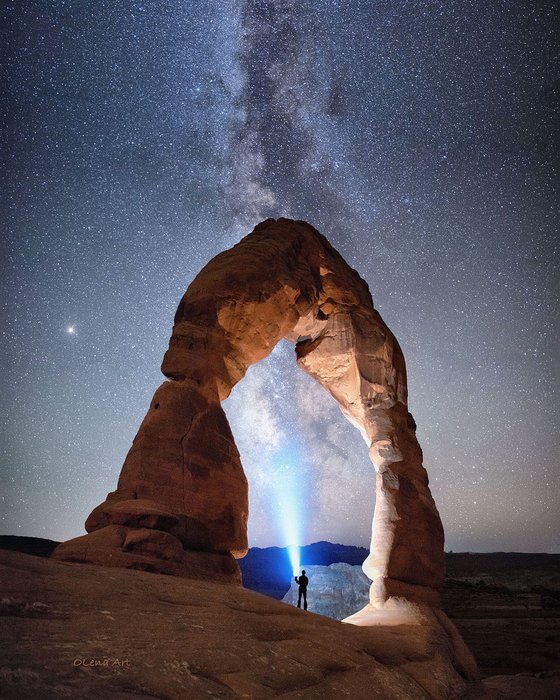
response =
{"points": [[167, 637], [84, 631], [180, 506]]}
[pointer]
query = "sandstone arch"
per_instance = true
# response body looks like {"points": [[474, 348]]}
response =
{"points": [[180, 506]]}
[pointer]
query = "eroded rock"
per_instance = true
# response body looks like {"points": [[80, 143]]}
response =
{"points": [[183, 476], [121, 634]]}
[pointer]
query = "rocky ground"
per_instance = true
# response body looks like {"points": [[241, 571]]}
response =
{"points": [[505, 604], [508, 631], [150, 635], [84, 631]]}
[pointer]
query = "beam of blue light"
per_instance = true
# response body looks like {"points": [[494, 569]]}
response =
{"points": [[293, 553], [287, 494]]}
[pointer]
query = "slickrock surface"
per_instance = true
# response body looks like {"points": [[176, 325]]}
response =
{"points": [[170, 637], [156, 636], [180, 506], [511, 627]]}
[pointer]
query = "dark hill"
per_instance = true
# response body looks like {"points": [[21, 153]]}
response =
{"points": [[37, 546], [267, 570]]}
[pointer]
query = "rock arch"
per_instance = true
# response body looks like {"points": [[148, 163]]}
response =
{"points": [[180, 506]]}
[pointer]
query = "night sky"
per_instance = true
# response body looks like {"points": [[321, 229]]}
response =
{"points": [[142, 138]]}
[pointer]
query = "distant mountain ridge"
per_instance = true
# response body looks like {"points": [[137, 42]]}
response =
{"points": [[37, 546], [267, 569]]}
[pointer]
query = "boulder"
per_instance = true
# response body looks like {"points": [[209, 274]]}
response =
{"points": [[335, 591]]}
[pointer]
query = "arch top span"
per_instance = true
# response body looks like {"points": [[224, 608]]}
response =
{"points": [[181, 501]]}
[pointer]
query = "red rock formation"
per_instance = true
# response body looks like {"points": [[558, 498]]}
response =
{"points": [[88, 632], [181, 501]]}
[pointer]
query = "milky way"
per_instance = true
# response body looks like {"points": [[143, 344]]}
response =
{"points": [[142, 138]]}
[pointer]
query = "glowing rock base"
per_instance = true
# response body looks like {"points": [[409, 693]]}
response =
{"points": [[395, 611]]}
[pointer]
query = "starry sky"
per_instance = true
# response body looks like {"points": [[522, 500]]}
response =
{"points": [[141, 138]]}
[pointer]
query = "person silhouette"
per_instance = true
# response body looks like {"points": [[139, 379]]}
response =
{"points": [[302, 582]]}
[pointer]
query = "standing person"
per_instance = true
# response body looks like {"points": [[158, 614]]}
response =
{"points": [[302, 582]]}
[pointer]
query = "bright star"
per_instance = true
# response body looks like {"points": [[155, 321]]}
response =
{"points": [[71, 330]]}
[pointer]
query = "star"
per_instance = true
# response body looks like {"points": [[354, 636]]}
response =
{"points": [[427, 157]]}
